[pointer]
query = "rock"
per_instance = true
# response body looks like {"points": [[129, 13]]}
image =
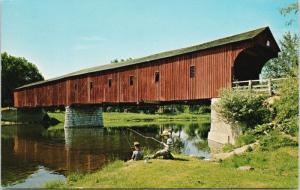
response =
{"points": [[245, 168], [237, 151]]}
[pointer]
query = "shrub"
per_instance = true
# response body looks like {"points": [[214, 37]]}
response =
{"points": [[245, 109], [287, 107]]}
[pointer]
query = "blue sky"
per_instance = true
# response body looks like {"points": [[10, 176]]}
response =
{"points": [[62, 36]]}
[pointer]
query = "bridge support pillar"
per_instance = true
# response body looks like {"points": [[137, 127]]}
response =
{"points": [[220, 131], [83, 116]]}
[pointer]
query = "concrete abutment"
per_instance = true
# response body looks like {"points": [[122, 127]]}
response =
{"points": [[220, 131]]}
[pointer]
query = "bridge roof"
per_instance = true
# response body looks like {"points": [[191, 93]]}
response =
{"points": [[223, 41]]}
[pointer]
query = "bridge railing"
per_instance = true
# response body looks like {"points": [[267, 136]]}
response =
{"points": [[270, 86]]}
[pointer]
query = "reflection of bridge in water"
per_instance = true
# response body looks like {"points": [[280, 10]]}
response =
{"points": [[57, 157], [85, 149], [26, 148]]}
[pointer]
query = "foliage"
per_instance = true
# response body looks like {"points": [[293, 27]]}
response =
{"points": [[287, 106], [16, 71], [164, 109], [291, 8], [275, 140], [246, 138], [203, 109], [287, 62], [121, 60], [244, 109]]}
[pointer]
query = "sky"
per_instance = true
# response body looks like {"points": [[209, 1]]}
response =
{"points": [[62, 36]]}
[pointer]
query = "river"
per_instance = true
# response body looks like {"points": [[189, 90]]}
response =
{"points": [[33, 155]]}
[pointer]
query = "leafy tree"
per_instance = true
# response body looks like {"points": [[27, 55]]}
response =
{"points": [[287, 62], [291, 8], [16, 71], [121, 60]]}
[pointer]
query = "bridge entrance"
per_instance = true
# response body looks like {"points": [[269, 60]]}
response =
{"points": [[249, 63]]}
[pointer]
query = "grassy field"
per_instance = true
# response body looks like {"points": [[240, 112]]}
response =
{"points": [[276, 169], [115, 119]]}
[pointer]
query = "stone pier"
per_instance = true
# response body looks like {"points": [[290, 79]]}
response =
{"points": [[83, 116], [220, 131]]}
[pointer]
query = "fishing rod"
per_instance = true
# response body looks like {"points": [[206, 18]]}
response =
{"points": [[129, 144], [144, 136]]}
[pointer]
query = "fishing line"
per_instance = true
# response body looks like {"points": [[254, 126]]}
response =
{"points": [[144, 136], [129, 144]]}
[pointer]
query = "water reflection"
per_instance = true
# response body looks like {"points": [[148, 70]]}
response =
{"points": [[27, 148]]}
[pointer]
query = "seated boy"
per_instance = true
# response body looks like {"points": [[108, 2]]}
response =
{"points": [[137, 154]]}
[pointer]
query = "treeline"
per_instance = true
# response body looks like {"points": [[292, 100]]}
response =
{"points": [[161, 109]]}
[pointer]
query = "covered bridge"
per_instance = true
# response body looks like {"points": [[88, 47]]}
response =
{"points": [[189, 74], [192, 73]]}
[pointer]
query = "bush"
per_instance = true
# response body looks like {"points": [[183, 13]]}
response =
{"points": [[245, 109], [287, 107]]}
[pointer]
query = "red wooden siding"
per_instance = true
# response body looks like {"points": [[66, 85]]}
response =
{"points": [[213, 71]]}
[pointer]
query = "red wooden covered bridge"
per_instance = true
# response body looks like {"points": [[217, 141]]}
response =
{"points": [[189, 74]]}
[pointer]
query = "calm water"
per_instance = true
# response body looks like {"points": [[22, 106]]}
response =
{"points": [[32, 155]]}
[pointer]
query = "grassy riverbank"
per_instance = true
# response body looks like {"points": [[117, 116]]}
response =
{"points": [[189, 172], [115, 119]]}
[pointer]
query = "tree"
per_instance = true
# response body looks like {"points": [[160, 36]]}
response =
{"points": [[121, 60], [287, 62], [16, 71], [291, 8]]}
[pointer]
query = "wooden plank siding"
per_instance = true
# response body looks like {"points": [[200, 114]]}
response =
{"points": [[214, 70]]}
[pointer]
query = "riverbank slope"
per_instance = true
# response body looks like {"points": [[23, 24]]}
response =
{"points": [[190, 172]]}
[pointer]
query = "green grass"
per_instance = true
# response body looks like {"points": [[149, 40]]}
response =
{"points": [[189, 172], [60, 116], [115, 119]]}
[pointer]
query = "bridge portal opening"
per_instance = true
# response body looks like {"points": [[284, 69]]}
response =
{"points": [[249, 63]]}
